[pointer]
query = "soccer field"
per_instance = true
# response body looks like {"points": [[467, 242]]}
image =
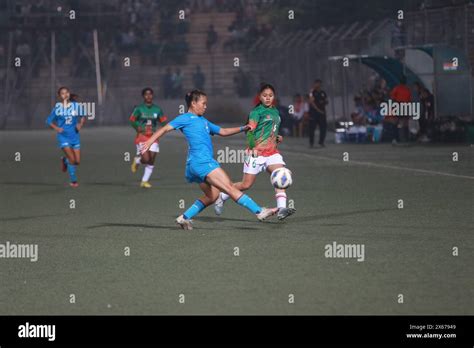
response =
{"points": [[82, 251]]}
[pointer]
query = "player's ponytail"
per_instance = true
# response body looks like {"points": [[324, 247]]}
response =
{"points": [[193, 96]]}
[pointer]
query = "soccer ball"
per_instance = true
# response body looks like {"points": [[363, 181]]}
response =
{"points": [[281, 178]]}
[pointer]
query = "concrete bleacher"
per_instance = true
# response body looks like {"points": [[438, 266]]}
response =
{"points": [[124, 84]]}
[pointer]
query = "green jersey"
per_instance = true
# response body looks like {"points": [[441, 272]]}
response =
{"points": [[265, 124], [145, 120]]}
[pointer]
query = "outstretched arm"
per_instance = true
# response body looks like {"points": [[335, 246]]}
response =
{"points": [[225, 132], [157, 135]]}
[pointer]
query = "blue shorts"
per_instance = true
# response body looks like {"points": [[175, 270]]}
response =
{"points": [[72, 141], [197, 171]]}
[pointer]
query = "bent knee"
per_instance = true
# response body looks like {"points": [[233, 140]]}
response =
{"points": [[245, 186]]}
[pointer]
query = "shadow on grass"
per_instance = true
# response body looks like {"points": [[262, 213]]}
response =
{"points": [[119, 184], [16, 183], [174, 227], [342, 214], [32, 217], [217, 219], [112, 224]]}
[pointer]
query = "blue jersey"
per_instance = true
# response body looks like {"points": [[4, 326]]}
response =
{"points": [[198, 131], [65, 118]]}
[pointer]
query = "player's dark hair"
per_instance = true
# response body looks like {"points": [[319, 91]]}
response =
{"points": [[193, 96], [146, 89], [264, 86], [72, 96], [318, 81]]}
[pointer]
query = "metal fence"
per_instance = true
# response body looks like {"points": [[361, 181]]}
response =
{"points": [[294, 60]]}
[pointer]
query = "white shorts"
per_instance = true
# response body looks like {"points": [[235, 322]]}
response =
{"points": [[153, 148], [255, 165]]}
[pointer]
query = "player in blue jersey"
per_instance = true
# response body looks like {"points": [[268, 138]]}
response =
{"points": [[201, 167], [66, 120]]}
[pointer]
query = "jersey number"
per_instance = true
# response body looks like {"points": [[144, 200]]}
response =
{"points": [[69, 120]]}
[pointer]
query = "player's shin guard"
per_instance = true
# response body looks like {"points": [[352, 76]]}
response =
{"points": [[71, 169], [247, 202], [281, 199], [147, 173], [193, 210]]}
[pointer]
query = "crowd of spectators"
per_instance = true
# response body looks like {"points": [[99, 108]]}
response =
{"points": [[147, 28], [367, 118], [246, 29], [367, 124]]}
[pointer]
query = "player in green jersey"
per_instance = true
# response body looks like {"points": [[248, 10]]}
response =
{"points": [[262, 152], [144, 119]]}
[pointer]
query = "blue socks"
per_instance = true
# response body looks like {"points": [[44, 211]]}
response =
{"points": [[193, 210], [71, 169], [244, 201], [247, 202]]}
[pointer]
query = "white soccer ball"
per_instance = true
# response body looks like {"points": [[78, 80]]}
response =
{"points": [[281, 178]]}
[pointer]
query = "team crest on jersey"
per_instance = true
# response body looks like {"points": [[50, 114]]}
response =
{"points": [[268, 117]]}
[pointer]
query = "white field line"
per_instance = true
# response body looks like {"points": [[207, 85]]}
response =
{"points": [[386, 166]]}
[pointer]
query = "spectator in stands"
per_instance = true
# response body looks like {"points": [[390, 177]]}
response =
{"points": [[373, 121], [285, 119], [112, 60], [417, 97], [427, 115], [211, 38], [237, 35], [241, 83], [417, 87], [177, 82], [401, 93], [358, 116], [148, 48], [317, 112], [167, 84], [380, 92], [128, 40], [300, 111], [199, 79], [358, 131], [23, 51], [395, 128]]}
